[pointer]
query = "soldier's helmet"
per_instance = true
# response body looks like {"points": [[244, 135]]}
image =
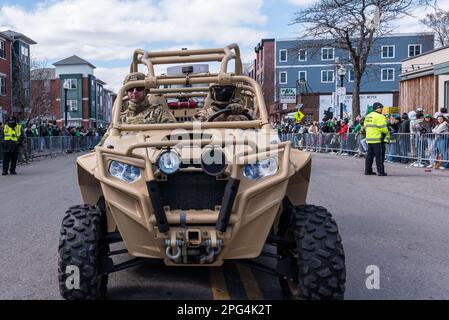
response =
{"points": [[133, 76], [223, 94]]}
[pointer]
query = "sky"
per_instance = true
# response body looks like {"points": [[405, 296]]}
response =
{"points": [[106, 32]]}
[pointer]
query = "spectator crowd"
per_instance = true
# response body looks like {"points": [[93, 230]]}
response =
{"points": [[47, 138], [415, 137]]}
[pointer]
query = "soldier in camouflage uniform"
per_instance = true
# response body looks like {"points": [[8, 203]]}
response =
{"points": [[138, 109], [219, 98]]}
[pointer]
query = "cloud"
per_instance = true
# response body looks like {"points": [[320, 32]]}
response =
{"points": [[108, 31], [112, 76], [301, 3], [112, 29], [412, 23]]}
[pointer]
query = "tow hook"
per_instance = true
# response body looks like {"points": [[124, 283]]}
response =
{"points": [[211, 252], [168, 249]]}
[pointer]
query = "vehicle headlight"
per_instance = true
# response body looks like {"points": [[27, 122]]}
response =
{"points": [[261, 169], [169, 162], [124, 172]]}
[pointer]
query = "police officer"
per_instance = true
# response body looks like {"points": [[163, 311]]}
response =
{"points": [[377, 135], [12, 137], [138, 109], [222, 97]]}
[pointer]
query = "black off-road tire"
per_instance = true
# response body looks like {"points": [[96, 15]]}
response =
{"points": [[320, 259], [83, 228]]}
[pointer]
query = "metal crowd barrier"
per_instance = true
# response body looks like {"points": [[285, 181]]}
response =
{"points": [[49, 146], [433, 148], [420, 150], [43, 146]]}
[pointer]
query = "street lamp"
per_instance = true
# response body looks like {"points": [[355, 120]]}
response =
{"points": [[337, 62], [66, 88], [341, 72]]}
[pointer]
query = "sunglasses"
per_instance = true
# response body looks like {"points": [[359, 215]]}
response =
{"points": [[138, 89]]}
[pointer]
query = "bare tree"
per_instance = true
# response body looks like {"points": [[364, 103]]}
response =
{"points": [[354, 25], [40, 89], [438, 21]]}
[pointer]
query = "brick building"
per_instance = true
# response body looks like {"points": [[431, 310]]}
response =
{"points": [[20, 71], [5, 76], [88, 103], [265, 71], [15, 73]]}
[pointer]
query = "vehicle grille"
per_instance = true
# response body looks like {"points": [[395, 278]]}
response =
{"points": [[194, 191]]}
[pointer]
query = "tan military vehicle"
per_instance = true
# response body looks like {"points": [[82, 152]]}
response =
{"points": [[198, 193]]}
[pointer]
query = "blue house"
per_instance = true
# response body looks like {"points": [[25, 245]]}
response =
{"points": [[309, 66]]}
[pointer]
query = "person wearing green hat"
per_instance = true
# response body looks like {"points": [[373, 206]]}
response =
{"points": [[430, 120], [138, 109], [377, 134]]}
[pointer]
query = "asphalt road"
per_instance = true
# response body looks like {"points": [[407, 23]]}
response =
{"points": [[398, 223]]}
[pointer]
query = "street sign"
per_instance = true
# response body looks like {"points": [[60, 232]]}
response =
{"points": [[341, 91], [298, 116], [287, 95], [284, 106], [299, 106]]}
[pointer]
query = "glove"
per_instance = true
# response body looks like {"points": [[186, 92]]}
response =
{"points": [[235, 108]]}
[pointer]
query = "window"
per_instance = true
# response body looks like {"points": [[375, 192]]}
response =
{"points": [[327, 54], [73, 83], [24, 51], [2, 85], [308, 118], [388, 52], [414, 50], [387, 74], [302, 55], [351, 76], [283, 77], [2, 49], [282, 55], [73, 105], [302, 76], [327, 76]]}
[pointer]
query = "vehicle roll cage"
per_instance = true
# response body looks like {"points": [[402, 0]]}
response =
{"points": [[154, 84], [223, 55]]}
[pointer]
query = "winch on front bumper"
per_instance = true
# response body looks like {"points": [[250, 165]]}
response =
{"points": [[191, 217]]}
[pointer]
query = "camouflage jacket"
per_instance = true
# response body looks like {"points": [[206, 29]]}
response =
{"points": [[145, 113], [204, 114]]}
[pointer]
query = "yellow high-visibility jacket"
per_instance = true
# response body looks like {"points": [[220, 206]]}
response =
{"points": [[376, 128], [11, 134]]}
